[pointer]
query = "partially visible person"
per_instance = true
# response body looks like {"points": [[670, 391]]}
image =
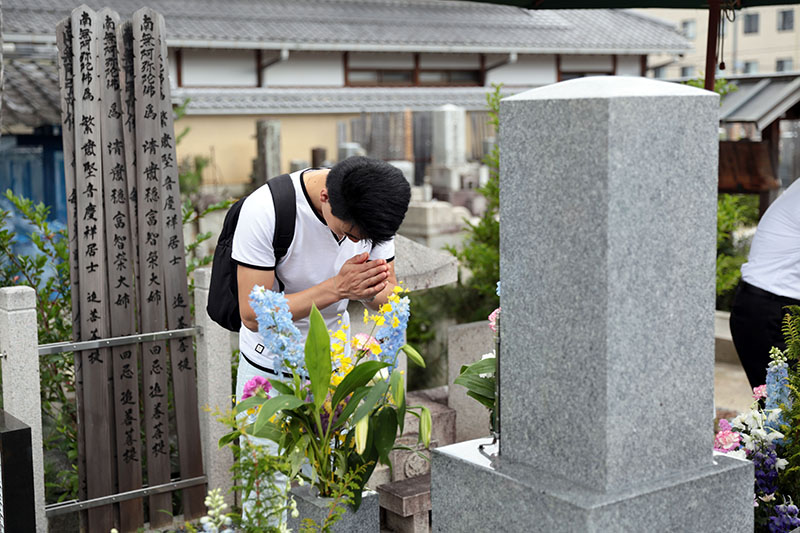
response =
{"points": [[770, 282]]}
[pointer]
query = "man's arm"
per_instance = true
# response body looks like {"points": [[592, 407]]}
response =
{"points": [[358, 279]]}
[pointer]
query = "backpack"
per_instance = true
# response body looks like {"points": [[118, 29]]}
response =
{"points": [[223, 293]]}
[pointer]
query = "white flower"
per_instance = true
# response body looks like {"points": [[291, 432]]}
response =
{"points": [[780, 464], [739, 454], [204, 520], [489, 355], [295, 513], [767, 498], [773, 415]]}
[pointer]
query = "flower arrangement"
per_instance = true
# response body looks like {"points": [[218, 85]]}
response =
{"points": [[769, 436], [480, 377], [341, 411]]}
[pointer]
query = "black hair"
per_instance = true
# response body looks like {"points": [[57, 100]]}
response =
{"points": [[370, 194]]}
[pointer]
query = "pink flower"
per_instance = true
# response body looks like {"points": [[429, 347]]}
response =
{"points": [[365, 342], [493, 319], [252, 386], [760, 392], [724, 425], [726, 441]]}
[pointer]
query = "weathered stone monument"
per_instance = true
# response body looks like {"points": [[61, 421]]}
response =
{"points": [[449, 148], [268, 149], [607, 260]]}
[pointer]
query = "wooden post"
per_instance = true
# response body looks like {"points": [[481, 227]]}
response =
{"points": [[151, 261], [182, 357], [92, 265], [711, 44], [121, 283], [67, 95]]}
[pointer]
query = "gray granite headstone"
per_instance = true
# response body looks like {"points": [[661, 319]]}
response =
{"points": [[608, 201]]}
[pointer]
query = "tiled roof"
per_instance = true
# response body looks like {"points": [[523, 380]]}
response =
{"points": [[343, 100], [760, 99], [30, 92], [421, 25]]}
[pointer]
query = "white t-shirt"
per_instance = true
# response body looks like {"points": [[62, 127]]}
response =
{"points": [[314, 256], [774, 260]]}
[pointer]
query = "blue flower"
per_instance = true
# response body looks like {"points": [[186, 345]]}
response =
{"points": [[777, 387], [278, 333]]}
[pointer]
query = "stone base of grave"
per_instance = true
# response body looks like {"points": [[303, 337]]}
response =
{"points": [[472, 492], [366, 520]]}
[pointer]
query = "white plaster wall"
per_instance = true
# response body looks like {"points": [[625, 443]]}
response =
{"points": [[629, 66], [529, 70], [586, 63], [450, 61], [173, 70], [215, 68], [308, 69], [380, 60]]}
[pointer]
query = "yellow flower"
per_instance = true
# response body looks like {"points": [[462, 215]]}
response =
{"points": [[375, 348], [385, 308], [340, 335], [379, 320], [366, 316], [395, 321]]}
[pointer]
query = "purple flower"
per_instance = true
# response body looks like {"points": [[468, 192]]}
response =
{"points": [[252, 386]]}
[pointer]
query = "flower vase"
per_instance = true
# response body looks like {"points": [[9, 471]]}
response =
{"points": [[366, 520]]}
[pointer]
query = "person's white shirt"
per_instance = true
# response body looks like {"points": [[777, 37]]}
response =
{"points": [[774, 260], [314, 256]]}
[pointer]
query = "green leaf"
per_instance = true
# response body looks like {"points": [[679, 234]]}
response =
{"points": [[318, 356], [249, 403], [281, 386], [486, 402], [413, 355], [358, 377], [266, 431], [484, 366], [479, 385], [272, 406], [371, 400], [228, 438], [351, 405], [385, 422]]}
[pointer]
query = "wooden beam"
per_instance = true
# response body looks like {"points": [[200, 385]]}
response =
{"points": [[259, 68], [711, 44], [179, 66]]}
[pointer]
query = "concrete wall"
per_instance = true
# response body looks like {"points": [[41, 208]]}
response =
{"points": [[231, 141]]}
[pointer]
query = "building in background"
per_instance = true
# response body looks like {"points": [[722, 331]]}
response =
{"points": [[758, 40], [345, 70]]}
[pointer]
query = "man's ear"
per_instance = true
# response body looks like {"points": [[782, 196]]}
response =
{"points": [[323, 195]]}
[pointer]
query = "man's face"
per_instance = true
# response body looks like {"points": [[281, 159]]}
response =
{"points": [[338, 226]]}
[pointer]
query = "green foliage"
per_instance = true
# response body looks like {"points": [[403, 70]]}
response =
{"points": [[721, 86], [734, 211], [48, 273], [480, 253]]}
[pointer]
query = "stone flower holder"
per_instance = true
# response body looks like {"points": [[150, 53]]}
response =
{"points": [[366, 520]]}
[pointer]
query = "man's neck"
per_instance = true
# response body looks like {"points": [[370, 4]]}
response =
{"points": [[315, 182]]}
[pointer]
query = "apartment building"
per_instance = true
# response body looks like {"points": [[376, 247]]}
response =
{"points": [[759, 40]]}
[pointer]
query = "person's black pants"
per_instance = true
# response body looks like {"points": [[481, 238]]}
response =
{"points": [[756, 320]]}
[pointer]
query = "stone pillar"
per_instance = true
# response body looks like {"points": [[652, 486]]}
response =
{"points": [[21, 385], [449, 148], [213, 387], [608, 193], [268, 145]]}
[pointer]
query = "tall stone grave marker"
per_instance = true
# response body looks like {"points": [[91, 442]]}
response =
{"points": [[608, 200], [449, 147]]}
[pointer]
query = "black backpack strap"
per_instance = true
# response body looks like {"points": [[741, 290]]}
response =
{"points": [[283, 198]]}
